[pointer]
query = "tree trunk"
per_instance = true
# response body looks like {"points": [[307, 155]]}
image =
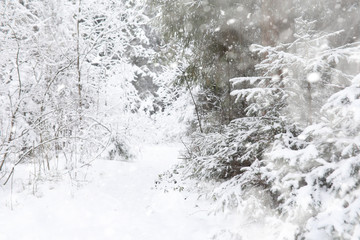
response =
{"points": [[78, 67], [196, 107]]}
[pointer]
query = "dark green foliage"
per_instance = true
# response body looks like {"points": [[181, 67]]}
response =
{"points": [[216, 156], [119, 150]]}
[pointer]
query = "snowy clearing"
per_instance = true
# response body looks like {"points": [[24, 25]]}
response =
{"points": [[118, 202]]}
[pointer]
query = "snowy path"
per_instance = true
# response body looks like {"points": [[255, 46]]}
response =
{"points": [[118, 203]]}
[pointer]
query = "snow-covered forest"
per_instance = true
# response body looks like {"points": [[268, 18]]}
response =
{"points": [[179, 119]]}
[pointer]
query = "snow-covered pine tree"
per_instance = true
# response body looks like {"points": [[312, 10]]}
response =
{"points": [[231, 159], [308, 68], [312, 171], [316, 175]]}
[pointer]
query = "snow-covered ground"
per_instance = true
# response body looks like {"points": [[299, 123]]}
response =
{"points": [[117, 201]]}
